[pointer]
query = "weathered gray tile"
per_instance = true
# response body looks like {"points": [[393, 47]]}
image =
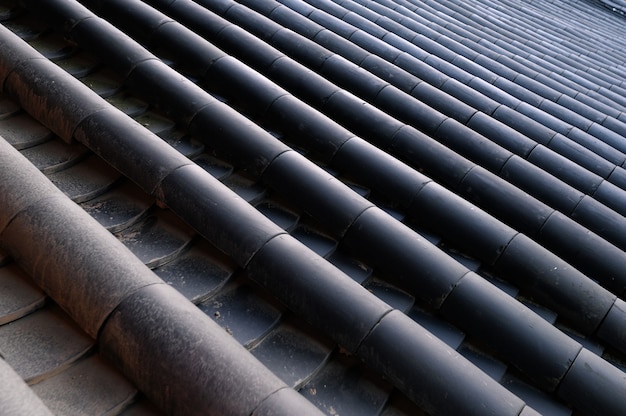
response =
{"points": [[85, 180], [294, 351], [42, 344], [18, 295], [243, 312], [157, 238], [88, 387], [54, 155], [23, 131], [198, 272], [16, 397], [119, 207], [343, 387]]}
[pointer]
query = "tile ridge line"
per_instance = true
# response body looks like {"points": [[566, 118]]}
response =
{"points": [[91, 275]]}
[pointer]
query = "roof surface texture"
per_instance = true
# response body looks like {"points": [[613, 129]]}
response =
{"points": [[348, 207]]}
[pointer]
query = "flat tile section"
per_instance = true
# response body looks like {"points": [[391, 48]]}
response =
{"points": [[16, 398], [120, 207], [343, 387], [23, 132], [88, 387], [198, 272], [294, 352], [54, 344], [242, 312], [55, 155], [473, 117], [7, 108], [85, 180], [18, 295], [157, 238]]}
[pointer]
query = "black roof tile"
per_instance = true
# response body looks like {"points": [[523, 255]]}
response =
{"points": [[541, 291]]}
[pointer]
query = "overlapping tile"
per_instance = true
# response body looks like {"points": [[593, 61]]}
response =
{"points": [[297, 204]]}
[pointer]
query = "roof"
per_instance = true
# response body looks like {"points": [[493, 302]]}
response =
{"points": [[286, 207]]}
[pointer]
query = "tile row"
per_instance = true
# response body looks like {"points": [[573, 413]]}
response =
{"points": [[448, 167], [267, 267], [287, 170], [487, 246]]}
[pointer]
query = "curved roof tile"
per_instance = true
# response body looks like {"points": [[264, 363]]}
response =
{"points": [[390, 206]]}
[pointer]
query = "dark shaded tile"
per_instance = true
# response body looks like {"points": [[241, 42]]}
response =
{"points": [[507, 287], [119, 207], [85, 180], [54, 343], [26, 27], [157, 238], [8, 107], [235, 138], [540, 401], [156, 123], [88, 387], [446, 332], [104, 82], [358, 271], [18, 295], [590, 343], [235, 227], [281, 216], [176, 96], [55, 155], [246, 188], [391, 295], [223, 377], [294, 351], [4, 257], [400, 255], [467, 261], [543, 312], [364, 192], [489, 365], [130, 105], [184, 143], [399, 405], [90, 272], [129, 147], [9, 10], [511, 331], [318, 243], [243, 311], [217, 168], [343, 387], [49, 94], [23, 131], [313, 288], [53, 46], [79, 64], [198, 272]]}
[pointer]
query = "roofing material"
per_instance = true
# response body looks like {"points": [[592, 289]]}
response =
{"points": [[368, 232]]}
